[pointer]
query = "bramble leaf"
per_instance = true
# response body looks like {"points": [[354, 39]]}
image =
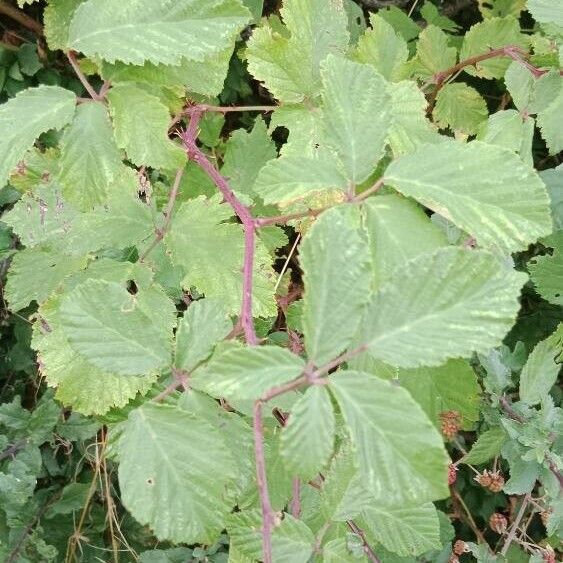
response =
{"points": [[473, 186], [460, 107], [547, 271]]}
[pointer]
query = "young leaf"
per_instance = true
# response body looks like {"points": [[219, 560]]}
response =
{"points": [[433, 53], [90, 159], [540, 371], [487, 446], [290, 65], [25, 117], [473, 185], [410, 530], [389, 242], [166, 459], [308, 439], [329, 323], [453, 386], [205, 323], [241, 374], [142, 30], [141, 124], [409, 324], [383, 48], [117, 331], [356, 115], [461, 108], [395, 471]]}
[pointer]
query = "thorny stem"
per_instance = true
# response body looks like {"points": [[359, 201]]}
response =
{"points": [[367, 549], [161, 231], [71, 55], [22, 18], [515, 524], [267, 512]]}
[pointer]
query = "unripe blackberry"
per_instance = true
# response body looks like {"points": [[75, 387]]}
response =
{"points": [[460, 547], [497, 482], [498, 523], [450, 424], [484, 479], [548, 554], [453, 559]]}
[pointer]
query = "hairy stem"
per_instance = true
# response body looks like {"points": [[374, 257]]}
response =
{"points": [[515, 524], [160, 232], [261, 479], [71, 55], [21, 17], [243, 213]]}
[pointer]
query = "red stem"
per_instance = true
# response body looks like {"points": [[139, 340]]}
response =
{"points": [[261, 479]]}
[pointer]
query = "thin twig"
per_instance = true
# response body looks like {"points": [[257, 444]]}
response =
{"points": [[71, 55], [243, 213], [283, 219], [367, 548], [21, 17], [370, 191], [228, 109], [161, 231], [478, 534], [261, 479], [515, 524]]}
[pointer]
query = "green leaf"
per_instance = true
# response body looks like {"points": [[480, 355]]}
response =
{"points": [[410, 530], [326, 252], [383, 48], [117, 331], [141, 124], [57, 17], [501, 8], [409, 126], [27, 115], [336, 551], [142, 31], [550, 122], [88, 389], [453, 386], [473, 186], [205, 323], [487, 446], [545, 11], [210, 251], [290, 65], [433, 16], [553, 179], [356, 115], [307, 440], [390, 243], [433, 53], [241, 374], [90, 159], [35, 273], [394, 470], [292, 540], [547, 271], [245, 154], [166, 459], [461, 108], [491, 34], [539, 374], [409, 324]]}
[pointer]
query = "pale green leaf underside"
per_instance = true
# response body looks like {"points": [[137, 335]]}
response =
{"points": [[117, 331], [308, 438], [27, 115], [410, 530], [542, 367], [57, 17], [205, 323], [546, 11], [393, 469], [473, 185], [90, 159], [467, 302], [242, 374], [167, 457], [160, 32], [335, 261]]}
